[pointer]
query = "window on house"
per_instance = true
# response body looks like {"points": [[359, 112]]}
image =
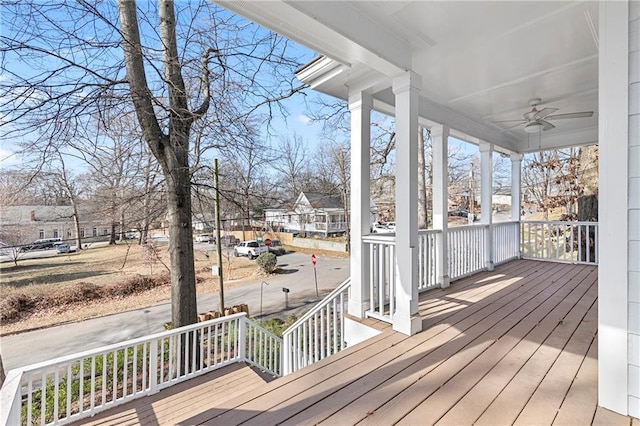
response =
{"points": [[95, 232], [82, 232], [68, 233], [105, 232], [55, 233], [41, 234]]}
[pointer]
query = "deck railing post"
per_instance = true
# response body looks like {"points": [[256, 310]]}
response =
{"points": [[153, 366], [489, 255], [242, 338]]}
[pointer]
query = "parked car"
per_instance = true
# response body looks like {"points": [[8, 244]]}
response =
{"points": [[251, 249], [229, 240], [42, 244], [461, 213], [391, 226], [132, 235], [205, 238], [277, 248], [378, 228], [63, 248]]}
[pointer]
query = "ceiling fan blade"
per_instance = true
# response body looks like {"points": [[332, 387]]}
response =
{"points": [[510, 121], [584, 114], [544, 112], [546, 125], [513, 126]]}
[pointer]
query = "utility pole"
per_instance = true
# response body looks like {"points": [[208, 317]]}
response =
{"points": [[218, 239]]}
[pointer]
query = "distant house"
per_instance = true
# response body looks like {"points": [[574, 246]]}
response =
{"points": [[312, 213], [23, 224], [203, 222]]}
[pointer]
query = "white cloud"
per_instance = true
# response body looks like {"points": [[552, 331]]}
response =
{"points": [[8, 158], [304, 119]]}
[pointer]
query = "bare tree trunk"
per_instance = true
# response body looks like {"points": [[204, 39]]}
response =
{"points": [[171, 150]]}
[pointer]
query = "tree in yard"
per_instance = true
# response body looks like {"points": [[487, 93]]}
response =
{"points": [[69, 65], [333, 168], [14, 241], [292, 167], [553, 179]]}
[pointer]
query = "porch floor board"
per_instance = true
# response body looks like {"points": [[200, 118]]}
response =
{"points": [[517, 345]]}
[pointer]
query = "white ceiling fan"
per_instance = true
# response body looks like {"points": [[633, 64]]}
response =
{"points": [[537, 120]]}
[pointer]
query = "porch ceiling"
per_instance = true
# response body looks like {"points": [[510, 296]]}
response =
{"points": [[480, 62]]}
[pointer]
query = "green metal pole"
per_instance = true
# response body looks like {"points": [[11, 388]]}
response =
{"points": [[218, 239]]}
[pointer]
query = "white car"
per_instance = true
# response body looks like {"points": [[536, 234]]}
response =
{"points": [[251, 249], [391, 226], [378, 228], [204, 238]]}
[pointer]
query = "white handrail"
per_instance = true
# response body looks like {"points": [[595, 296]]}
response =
{"points": [[467, 250], [427, 246], [506, 241], [560, 241], [75, 386], [318, 333]]}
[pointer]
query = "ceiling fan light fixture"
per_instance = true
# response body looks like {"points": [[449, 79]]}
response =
{"points": [[534, 127]]}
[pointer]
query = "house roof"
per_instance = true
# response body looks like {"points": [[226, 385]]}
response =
{"points": [[318, 200], [23, 214]]}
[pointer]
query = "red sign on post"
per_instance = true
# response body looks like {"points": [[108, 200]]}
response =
{"points": [[267, 242], [313, 259]]}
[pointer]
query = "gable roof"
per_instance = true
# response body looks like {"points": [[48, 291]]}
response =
{"points": [[318, 200]]}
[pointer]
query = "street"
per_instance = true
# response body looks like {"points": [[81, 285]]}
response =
{"points": [[298, 276]]}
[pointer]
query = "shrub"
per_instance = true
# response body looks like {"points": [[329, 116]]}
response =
{"points": [[80, 292], [267, 261], [13, 306], [135, 285]]}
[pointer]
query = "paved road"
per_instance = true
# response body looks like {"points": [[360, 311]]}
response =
{"points": [[39, 345]]}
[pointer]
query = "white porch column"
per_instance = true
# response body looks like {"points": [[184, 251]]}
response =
{"points": [[486, 200], [360, 105], [616, 250], [516, 186], [406, 88], [440, 149]]}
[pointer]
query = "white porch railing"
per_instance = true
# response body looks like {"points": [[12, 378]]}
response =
{"points": [[382, 275], [427, 240], [573, 242], [466, 250], [506, 241], [69, 388], [317, 334]]}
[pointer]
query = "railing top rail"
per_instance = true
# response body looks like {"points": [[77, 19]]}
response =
{"points": [[429, 231], [558, 222], [127, 343], [345, 284], [379, 238], [463, 227], [506, 222]]}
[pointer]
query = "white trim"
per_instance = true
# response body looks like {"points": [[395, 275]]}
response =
{"points": [[613, 102], [406, 88], [360, 105]]}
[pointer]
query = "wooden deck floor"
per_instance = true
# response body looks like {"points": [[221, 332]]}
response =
{"points": [[514, 346]]}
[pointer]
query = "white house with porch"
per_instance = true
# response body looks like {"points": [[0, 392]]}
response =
{"points": [[313, 213], [449, 305]]}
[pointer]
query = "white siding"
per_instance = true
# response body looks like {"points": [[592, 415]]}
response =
{"points": [[634, 209]]}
